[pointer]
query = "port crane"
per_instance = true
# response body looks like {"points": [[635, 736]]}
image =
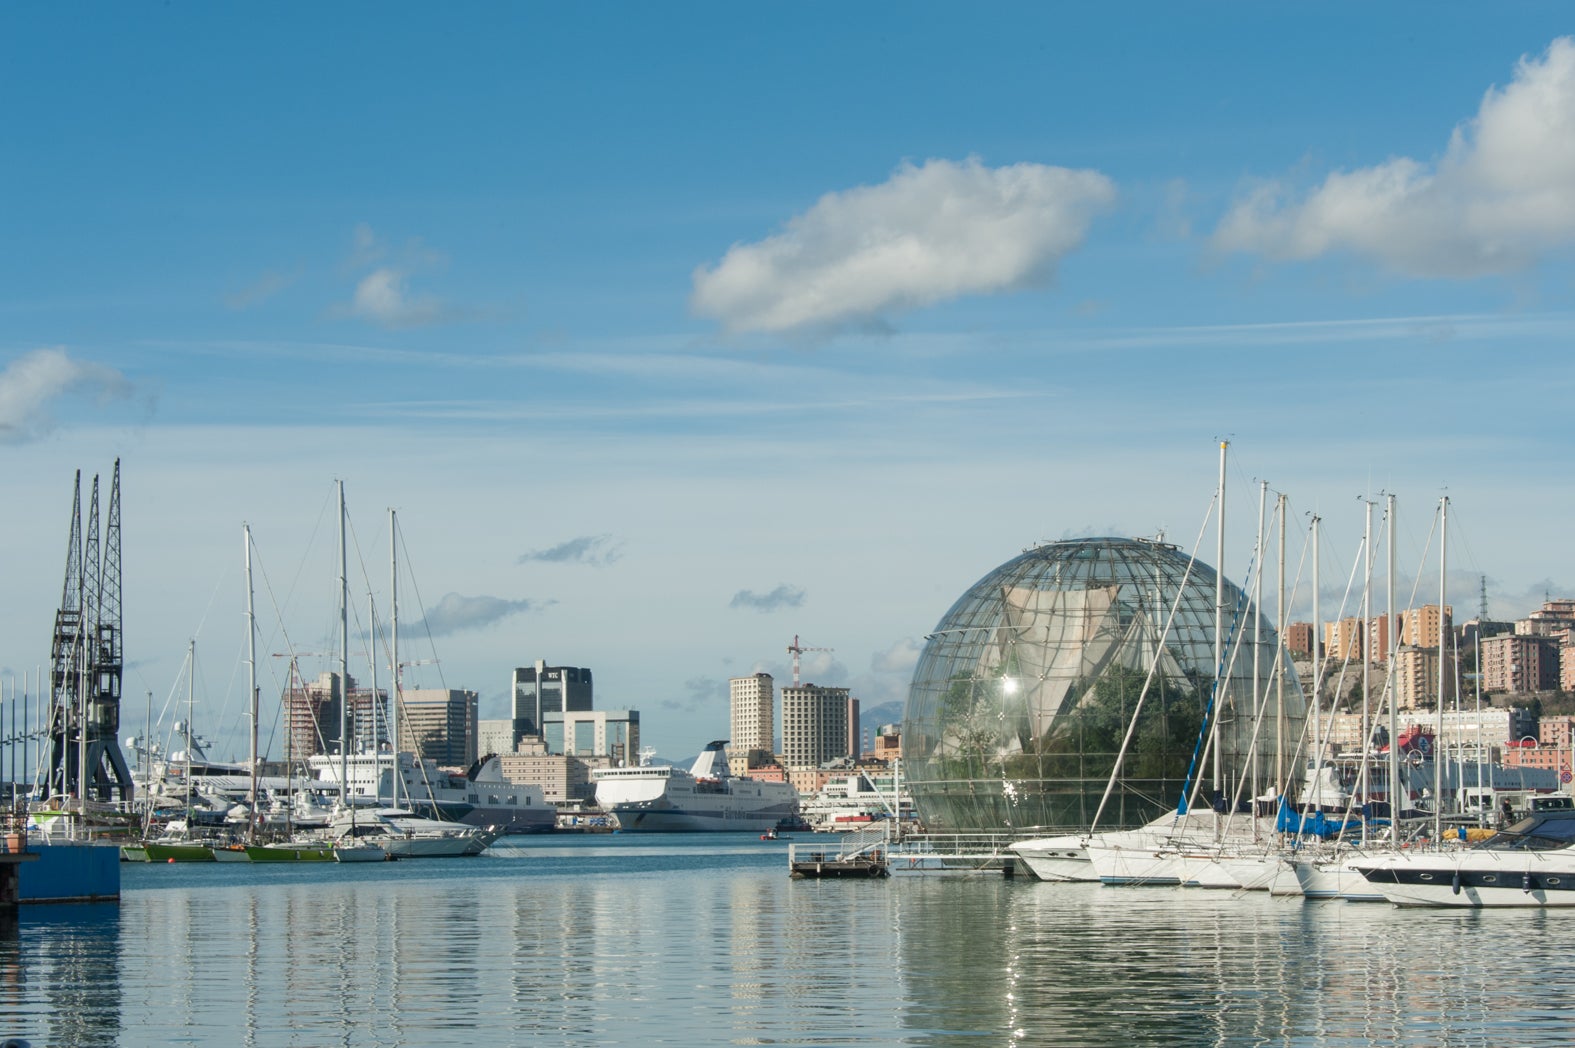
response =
{"points": [[796, 649]]}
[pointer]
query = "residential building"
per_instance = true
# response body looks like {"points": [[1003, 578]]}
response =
{"points": [[751, 705], [440, 725], [1553, 618], [1415, 672], [1419, 627], [1342, 640], [1520, 663], [1299, 639], [815, 725]]}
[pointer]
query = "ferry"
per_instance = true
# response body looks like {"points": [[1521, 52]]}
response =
{"points": [[665, 799]]}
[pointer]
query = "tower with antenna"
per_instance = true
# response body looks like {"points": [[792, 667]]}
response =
{"points": [[1482, 613], [87, 662]]}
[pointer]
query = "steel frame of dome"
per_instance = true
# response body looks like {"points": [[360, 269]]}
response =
{"points": [[1028, 685]]}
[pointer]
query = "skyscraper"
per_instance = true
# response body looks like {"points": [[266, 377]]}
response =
{"points": [[439, 725], [542, 689]]}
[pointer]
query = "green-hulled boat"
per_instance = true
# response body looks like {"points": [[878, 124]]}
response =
{"points": [[288, 852]]}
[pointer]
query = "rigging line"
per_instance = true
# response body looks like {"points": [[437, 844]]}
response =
{"points": [[1159, 646], [426, 624], [1211, 711]]}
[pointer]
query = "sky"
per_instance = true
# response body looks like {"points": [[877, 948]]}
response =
{"points": [[671, 333]]}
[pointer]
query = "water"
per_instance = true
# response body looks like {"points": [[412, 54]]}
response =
{"points": [[704, 940]]}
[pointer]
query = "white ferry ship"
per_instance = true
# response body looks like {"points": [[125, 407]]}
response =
{"points": [[665, 799]]}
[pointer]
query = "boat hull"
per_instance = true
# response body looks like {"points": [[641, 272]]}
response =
{"points": [[1476, 880], [290, 853]]}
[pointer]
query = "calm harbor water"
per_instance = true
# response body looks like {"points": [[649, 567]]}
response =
{"points": [[704, 940]]}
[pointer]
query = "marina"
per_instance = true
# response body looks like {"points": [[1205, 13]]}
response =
{"points": [[702, 939]]}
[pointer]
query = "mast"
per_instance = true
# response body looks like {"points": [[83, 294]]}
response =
{"points": [[1438, 738], [371, 659], [1257, 644], [1279, 654], [1317, 652], [1394, 648], [251, 681], [191, 704], [393, 653], [1219, 627], [1366, 789], [344, 656]]}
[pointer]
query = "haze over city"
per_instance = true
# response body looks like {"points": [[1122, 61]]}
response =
{"points": [[675, 333]]}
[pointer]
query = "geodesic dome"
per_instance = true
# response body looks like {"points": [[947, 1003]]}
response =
{"points": [[1027, 687]]}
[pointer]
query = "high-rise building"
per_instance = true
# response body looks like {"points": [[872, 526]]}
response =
{"points": [[1419, 626], [751, 705], [1299, 638], [312, 715], [1416, 678], [1520, 662], [542, 689], [815, 725], [440, 725]]}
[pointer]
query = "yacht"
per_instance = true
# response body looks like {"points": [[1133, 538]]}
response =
{"points": [[654, 798], [1529, 864]]}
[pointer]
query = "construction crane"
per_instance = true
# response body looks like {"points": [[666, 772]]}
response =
{"points": [[796, 649]]}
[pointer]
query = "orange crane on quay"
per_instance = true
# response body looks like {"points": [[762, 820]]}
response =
{"points": [[796, 649]]}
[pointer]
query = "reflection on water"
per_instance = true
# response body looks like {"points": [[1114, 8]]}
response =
{"points": [[698, 941]]}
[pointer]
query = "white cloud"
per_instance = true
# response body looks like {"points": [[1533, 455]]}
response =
{"points": [[1502, 194], [31, 382], [930, 233], [383, 298], [901, 657]]}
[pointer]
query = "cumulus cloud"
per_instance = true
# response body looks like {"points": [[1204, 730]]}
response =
{"points": [[784, 596], [456, 613], [901, 657], [1502, 194], [598, 550], [931, 233], [383, 295], [30, 383]]}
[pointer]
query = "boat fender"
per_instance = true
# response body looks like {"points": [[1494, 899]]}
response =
{"points": [[1525, 881], [874, 870], [1454, 884]]}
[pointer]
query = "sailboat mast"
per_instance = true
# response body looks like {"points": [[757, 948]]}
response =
{"points": [[371, 660], [251, 682], [1257, 642], [191, 703], [1438, 737], [1219, 626], [1317, 653], [393, 656], [1394, 648], [1366, 791], [1279, 655], [344, 655]]}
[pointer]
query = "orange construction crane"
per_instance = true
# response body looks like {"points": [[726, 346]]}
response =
{"points": [[796, 649]]}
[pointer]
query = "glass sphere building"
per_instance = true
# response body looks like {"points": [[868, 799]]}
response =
{"points": [[1056, 661]]}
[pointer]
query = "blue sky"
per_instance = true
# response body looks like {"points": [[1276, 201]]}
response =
{"points": [[673, 332]]}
